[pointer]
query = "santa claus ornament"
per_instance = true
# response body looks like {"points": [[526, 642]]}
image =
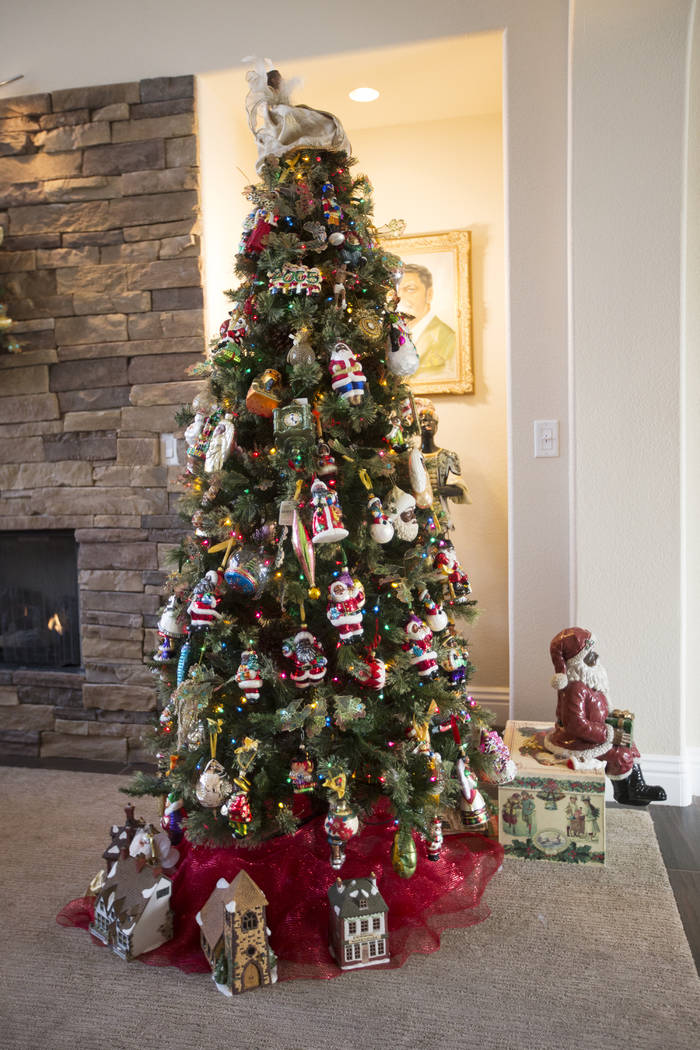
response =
{"points": [[347, 378], [472, 805], [199, 431], [327, 524], [587, 733], [310, 663], [419, 640], [206, 599], [248, 675], [401, 512], [344, 610], [447, 562]]}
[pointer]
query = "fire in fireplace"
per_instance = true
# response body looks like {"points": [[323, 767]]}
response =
{"points": [[39, 617]]}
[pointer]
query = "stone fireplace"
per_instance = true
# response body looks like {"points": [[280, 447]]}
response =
{"points": [[100, 271]]}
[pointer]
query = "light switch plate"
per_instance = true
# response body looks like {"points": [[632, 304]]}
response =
{"points": [[546, 437]]}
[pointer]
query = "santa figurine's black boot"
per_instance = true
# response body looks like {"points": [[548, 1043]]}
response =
{"points": [[634, 791]]}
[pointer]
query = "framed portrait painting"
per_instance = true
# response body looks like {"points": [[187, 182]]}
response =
{"points": [[435, 289]]}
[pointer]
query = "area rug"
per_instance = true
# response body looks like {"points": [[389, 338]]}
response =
{"points": [[570, 957]]}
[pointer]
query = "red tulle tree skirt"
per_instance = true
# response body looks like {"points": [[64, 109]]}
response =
{"points": [[294, 874]]}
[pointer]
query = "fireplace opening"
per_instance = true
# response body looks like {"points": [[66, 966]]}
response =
{"points": [[39, 616]]}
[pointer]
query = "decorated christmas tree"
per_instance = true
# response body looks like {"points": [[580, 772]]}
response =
{"points": [[311, 661]]}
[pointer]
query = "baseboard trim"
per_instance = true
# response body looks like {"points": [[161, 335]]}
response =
{"points": [[679, 775], [495, 698]]}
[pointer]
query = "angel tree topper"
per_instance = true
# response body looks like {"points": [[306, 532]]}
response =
{"points": [[347, 378], [347, 599]]}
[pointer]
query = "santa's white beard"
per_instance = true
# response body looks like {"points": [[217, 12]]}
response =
{"points": [[594, 677]]}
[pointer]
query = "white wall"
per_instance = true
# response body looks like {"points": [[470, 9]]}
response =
{"points": [[691, 381], [627, 200]]}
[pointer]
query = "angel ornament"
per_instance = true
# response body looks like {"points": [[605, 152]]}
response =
{"points": [[278, 126], [220, 444]]}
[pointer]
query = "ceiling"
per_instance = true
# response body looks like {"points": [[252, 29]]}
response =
{"points": [[434, 80]]}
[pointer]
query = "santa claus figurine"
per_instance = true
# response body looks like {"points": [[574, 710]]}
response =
{"points": [[347, 378], [419, 640], [248, 675], [327, 525], [446, 560], [206, 599], [586, 732], [309, 661], [347, 599]]}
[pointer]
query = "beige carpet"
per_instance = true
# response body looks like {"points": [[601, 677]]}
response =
{"points": [[570, 958]]}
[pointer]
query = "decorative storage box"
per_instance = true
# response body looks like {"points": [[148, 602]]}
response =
{"points": [[549, 812]]}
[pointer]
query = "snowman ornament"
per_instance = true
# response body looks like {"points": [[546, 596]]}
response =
{"points": [[346, 601], [380, 529]]}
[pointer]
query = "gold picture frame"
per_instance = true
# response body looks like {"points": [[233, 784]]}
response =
{"points": [[437, 284]]}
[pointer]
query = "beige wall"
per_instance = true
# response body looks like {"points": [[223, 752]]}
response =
{"points": [[449, 175]]}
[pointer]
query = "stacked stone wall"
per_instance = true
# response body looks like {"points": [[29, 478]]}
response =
{"points": [[101, 274]]}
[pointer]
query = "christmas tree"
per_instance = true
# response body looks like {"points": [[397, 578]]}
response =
{"points": [[310, 655]]}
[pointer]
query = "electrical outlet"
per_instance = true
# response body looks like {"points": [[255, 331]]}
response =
{"points": [[546, 437], [168, 450]]}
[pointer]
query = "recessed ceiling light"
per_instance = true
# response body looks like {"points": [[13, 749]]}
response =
{"points": [[364, 94]]}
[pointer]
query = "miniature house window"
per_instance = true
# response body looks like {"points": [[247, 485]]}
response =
{"points": [[348, 953], [376, 923], [352, 926], [249, 921], [165, 892], [251, 949], [357, 949], [362, 904], [372, 949], [380, 947], [364, 925]]}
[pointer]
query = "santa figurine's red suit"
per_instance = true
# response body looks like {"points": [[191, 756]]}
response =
{"points": [[586, 732]]}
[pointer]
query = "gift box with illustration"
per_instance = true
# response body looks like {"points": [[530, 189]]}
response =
{"points": [[549, 811]]}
